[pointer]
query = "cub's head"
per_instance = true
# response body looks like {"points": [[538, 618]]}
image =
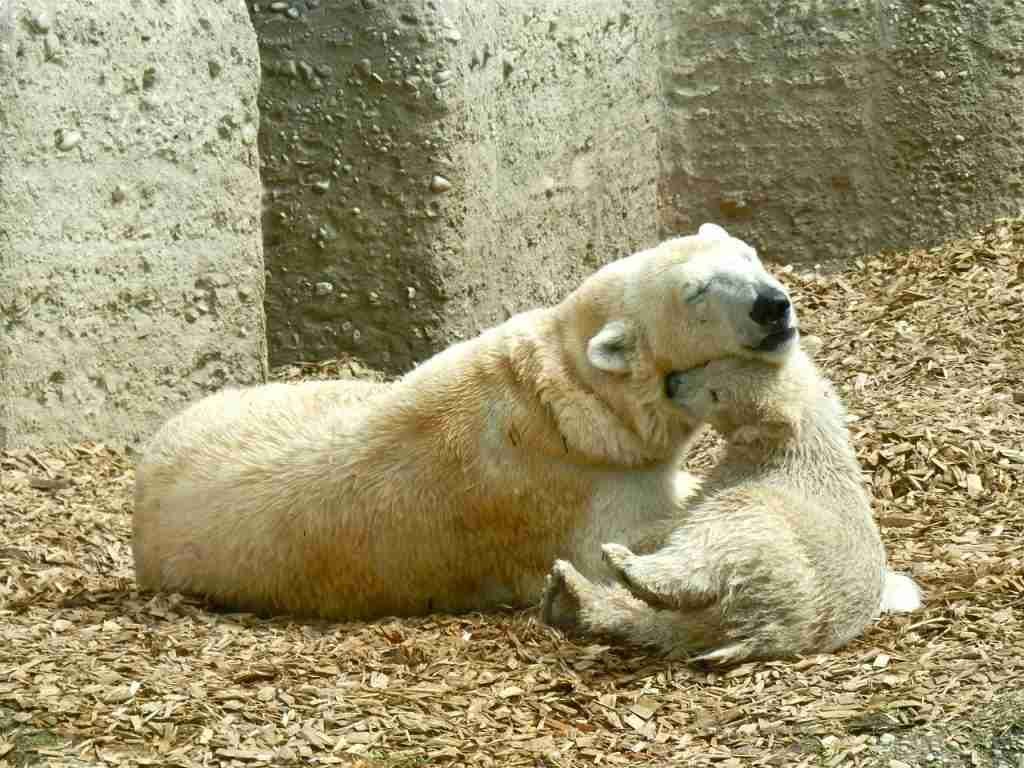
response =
{"points": [[754, 401]]}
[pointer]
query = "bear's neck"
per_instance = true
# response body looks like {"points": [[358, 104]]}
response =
{"points": [[822, 442], [592, 427]]}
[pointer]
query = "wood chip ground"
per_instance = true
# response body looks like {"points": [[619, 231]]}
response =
{"points": [[927, 348]]}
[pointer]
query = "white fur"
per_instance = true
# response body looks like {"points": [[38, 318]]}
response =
{"points": [[778, 555], [708, 229], [455, 487], [900, 594]]}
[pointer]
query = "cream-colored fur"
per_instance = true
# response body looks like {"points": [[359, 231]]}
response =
{"points": [[778, 554], [455, 487]]}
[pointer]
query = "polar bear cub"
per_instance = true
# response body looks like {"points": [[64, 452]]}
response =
{"points": [[778, 554], [455, 487]]}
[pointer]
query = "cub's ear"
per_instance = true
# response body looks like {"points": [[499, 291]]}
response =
{"points": [[708, 229], [612, 347]]}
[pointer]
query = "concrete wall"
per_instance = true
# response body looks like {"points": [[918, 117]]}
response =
{"points": [[820, 129], [566, 134], [131, 274], [558, 150], [432, 167]]}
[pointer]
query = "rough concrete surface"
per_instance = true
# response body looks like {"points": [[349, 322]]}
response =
{"points": [[131, 273], [566, 134], [837, 128], [432, 167]]}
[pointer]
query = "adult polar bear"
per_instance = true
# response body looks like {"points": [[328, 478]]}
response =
{"points": [[456, 487]]}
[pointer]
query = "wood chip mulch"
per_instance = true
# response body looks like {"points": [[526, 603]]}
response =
{"points": [[927, 347]]}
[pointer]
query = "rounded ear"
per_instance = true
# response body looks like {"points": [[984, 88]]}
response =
{"points": [[709, 229], [610, 349]]}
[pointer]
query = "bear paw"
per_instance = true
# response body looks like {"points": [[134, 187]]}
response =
{"points": [[561, 601], [625, 566], [616, 556]]}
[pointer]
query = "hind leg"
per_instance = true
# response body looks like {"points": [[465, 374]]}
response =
{"points": [[581, 608], [575, 604], [564, 592], [664, 579]]}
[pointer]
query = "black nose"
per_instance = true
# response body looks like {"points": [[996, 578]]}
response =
{"points": [[770, 306]]}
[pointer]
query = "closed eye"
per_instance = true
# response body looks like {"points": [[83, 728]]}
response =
{"points": [[698, 293]]}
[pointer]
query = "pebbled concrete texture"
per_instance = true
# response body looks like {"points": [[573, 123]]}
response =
{"points": [[433, 167], [131, 272], [823, 130], [567, 134], [559, 155], [430, 167]]}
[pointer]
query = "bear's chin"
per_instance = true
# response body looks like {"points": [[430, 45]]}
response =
{"points": [[778, 343]]}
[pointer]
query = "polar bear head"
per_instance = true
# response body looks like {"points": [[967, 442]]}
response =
{"points": [[683, 303], [673, 307]]}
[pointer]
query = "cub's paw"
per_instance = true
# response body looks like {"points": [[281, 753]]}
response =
{"points": [[630, 570], [562, 599], [615, 557]]}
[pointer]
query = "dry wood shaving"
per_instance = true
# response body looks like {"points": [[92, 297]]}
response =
{"points": [[927, 349]]}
